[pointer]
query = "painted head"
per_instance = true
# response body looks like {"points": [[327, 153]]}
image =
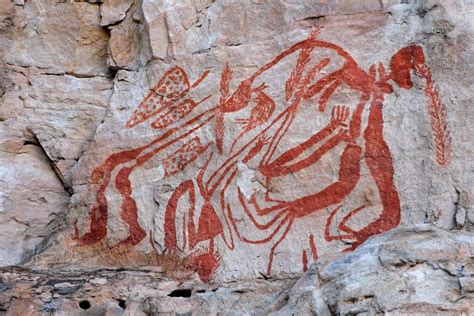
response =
{"points": [[403, 62]]}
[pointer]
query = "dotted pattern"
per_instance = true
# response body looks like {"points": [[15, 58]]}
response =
{"points": [[173, 85], [177, 161], [175, 113]]}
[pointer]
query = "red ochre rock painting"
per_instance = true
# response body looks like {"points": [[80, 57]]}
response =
{"points": [[264, 129]]}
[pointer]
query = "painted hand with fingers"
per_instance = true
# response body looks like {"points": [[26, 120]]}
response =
{"points": [[339, 124], [339, 115]]}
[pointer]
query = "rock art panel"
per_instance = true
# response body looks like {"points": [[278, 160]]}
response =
{"points": [[255, 140]]}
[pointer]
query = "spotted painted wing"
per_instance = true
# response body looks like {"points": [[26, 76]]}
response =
{"points": [[173, 85]]}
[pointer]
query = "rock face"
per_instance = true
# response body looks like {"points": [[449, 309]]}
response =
{"points": [[228, 141], [416, 270], [55, 91], [404, 271]]}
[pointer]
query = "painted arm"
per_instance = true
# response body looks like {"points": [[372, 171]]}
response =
{"points": [[282, 165]]}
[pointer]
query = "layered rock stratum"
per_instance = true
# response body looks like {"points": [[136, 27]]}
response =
{"points": [[238, 157]]}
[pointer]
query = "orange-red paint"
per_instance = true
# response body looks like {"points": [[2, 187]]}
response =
{"points": [[304, 260], [171, 113], [259, 115], [437, 113]]}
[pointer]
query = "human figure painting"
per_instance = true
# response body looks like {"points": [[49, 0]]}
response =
{"points": [[256, 131]]}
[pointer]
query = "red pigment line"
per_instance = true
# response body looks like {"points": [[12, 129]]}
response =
{"points": [[312, 245], [283, 236], [304, 260]]}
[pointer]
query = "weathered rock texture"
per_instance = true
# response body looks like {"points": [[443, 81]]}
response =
{"points": [[404, 271], [55, 91], [236, 142], [423, 270]]}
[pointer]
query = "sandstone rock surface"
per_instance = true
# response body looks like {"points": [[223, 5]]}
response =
{"points": [[235, 143], [267, 193], [405, 271], [54, 92]]}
